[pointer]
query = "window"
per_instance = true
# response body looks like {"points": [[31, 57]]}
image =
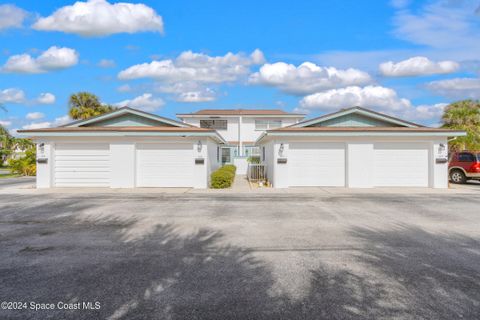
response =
{"points": [[214, 124], [263, 153], [267, 124], [466, 157], [218, 154]]}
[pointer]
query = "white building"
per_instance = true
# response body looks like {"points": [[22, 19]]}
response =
{"points": [[240, 128], [354, 147], [126, 148]]}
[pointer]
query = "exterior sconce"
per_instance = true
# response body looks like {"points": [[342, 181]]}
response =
{"points": [[199, 146], [280, 150], [441, 148]]}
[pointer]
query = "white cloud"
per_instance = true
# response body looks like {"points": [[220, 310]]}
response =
{"points": [[426, 112], [124, 88], [106, 63], [34, 116], [11, 16], [145, 102], [54, 58], [5, 123], [371, 96], [61, 120], [399, 4], [417, 66], [46, 98], [12, 95], [37, 125], [307, 78], [198, 67], [47, 124], [100, 18], [440, 24], [460, 88], [378, 98], [188, 92]]}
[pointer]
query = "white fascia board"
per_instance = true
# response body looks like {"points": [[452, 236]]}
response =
{"points": [[213, 135], [359, 134]]}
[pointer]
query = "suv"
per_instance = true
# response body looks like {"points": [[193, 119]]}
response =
{"points": [[464, 166]]}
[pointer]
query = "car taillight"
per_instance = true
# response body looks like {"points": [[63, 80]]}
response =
{"points": [[476, 167]]}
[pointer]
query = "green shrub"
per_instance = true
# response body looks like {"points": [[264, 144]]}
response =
{"points": [[223, 177], [230, 168], [25, 165], [253, 159]]}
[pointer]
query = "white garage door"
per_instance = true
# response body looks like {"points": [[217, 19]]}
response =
{"points": [[82, 165], [401, 165], [165, 165], [316, 164]]}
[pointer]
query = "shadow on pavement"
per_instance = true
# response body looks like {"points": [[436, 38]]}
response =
{"points": [[406, 274]]}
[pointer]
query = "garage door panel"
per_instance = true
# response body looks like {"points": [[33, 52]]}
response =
{"points": [[401, 164], [165, 165], [317, 164], [82, 165]]}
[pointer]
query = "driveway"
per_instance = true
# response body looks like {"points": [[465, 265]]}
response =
{"points": [[241, 256], [20, 182]]}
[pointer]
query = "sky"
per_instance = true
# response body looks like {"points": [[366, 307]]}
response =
{"points": [[405, 58]]}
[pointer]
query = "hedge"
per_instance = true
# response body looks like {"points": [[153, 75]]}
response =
{"points": [[223, 177]]}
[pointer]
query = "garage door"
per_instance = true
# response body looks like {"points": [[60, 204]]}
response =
{"points": [[316, 164], [165, 165], [82, 165], [401, 164]]}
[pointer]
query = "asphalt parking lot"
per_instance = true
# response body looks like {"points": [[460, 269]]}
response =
{"points": [[227, 256]]}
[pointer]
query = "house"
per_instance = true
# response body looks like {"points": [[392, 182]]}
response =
{"points": [[126, 148], [356, 148], [353, 147], [240, 128]]}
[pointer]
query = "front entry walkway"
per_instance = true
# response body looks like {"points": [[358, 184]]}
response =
{"points": [[240, 184]]}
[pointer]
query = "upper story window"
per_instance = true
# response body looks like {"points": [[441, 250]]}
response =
{"points": [[214, 124], [267, 124]]}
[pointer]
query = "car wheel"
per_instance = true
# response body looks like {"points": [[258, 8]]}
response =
{"points": [[457, 176]]}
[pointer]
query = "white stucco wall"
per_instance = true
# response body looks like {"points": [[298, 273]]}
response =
{"points": [[212, 163], [359, 164], [122, 158], [247, 127]]}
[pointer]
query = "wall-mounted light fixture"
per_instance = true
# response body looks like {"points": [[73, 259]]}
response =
{"points": [[441, 148], [280, 150], [199, 146]]}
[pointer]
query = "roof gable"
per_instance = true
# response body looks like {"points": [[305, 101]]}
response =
{"points": [[127, 117], [356, 117]]}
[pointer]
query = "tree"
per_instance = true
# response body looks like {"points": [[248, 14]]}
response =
{"points": [[5, 144], [84, 105], [463, 115]]}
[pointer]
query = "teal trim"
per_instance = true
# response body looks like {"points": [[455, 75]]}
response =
{"points": [[357, 110], [122, 111], [353, 120], [129, 120]]}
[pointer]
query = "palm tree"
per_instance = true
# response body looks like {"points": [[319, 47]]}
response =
{"points": [[84, 105], [463, 115]]}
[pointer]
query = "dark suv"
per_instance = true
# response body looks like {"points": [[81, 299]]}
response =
{"points": [[464, 166]]}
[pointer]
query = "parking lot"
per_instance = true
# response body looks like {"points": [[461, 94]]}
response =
{"points": [[239, 256]]}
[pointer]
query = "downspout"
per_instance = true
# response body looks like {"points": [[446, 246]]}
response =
{"points": [[240, 153]]}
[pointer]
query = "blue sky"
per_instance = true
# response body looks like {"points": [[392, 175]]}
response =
{"points": [[404, 58]]}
